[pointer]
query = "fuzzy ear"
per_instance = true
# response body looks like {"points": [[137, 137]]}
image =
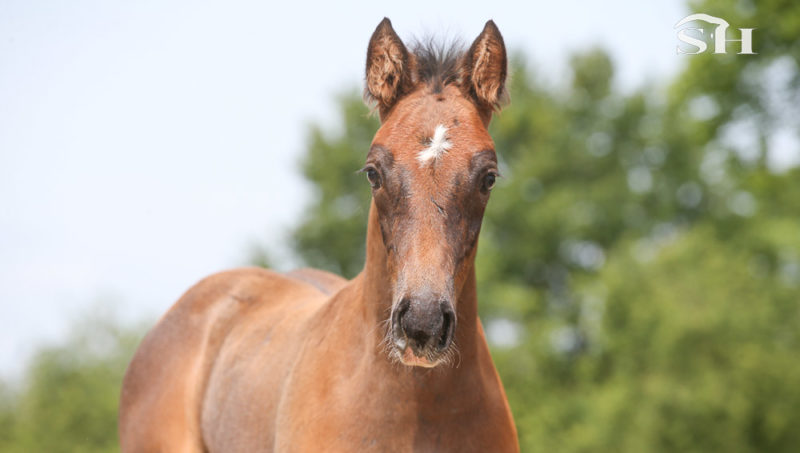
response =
{"points": [[389, 68], [485, 68]]}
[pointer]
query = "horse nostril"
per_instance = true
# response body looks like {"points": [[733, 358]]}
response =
{"points": [[448, 326], [397, 323]]}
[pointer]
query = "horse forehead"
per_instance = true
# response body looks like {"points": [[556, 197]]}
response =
{"points": [[434, 132]]}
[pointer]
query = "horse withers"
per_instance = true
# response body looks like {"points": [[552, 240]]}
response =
{"points": [[251, 360]]}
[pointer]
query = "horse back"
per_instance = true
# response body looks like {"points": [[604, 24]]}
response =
{"points": [[324, 281]]}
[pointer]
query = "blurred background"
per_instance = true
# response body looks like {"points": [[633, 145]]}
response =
{"points": [[639, 264]]}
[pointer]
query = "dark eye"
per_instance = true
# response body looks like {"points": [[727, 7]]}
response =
{"points": [[373, 177], [489, 180]]}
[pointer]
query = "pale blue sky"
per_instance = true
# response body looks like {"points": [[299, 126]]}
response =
{"points": [[144, 145]]}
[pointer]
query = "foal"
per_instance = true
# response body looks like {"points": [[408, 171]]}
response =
{"points": [[255, 361]]}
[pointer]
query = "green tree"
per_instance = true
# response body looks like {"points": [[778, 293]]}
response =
{"points": [[337, 218], [70, 392]]}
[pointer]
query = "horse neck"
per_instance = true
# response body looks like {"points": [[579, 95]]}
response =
{"points": [[376, 290]]}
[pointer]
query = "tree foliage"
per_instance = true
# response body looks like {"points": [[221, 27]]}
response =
{"points": [[68, 400], [337, 219]]}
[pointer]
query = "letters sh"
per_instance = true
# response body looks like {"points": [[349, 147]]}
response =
{"points": [[719, 36]]}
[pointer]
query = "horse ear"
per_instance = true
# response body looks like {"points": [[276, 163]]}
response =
{"points": [[389, 68], [485, 67]]}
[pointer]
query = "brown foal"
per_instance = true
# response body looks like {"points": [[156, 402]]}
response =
{"points": [[394, 360]]}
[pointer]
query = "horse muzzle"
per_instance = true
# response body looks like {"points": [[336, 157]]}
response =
{"points": [[422, 330]]}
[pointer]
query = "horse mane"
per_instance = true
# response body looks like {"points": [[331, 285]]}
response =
{"points": [[438, 62]]}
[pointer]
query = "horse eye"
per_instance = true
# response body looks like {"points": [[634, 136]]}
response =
{"points": [[488, 181], [373, 177]]}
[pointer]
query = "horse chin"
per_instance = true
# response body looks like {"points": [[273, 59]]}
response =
{"points": [[408, 358]]}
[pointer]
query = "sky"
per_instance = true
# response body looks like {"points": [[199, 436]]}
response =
{"points": [[145, 145]]}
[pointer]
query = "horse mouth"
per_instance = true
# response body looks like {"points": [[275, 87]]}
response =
{"points": [[409, 358], [402, 352]]}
